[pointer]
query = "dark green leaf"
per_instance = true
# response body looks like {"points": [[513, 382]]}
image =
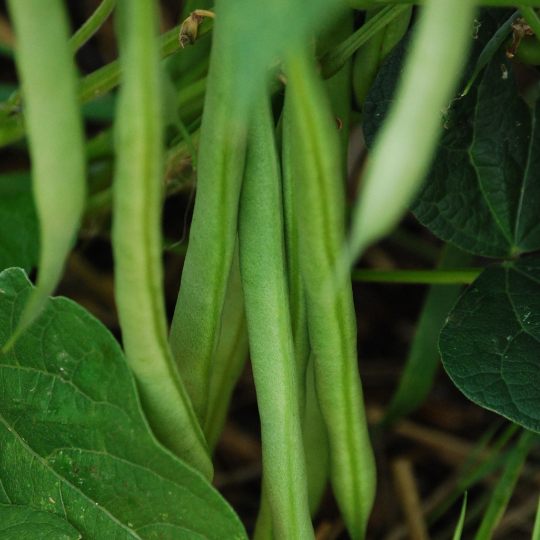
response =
{"points": [[73, 441], [481, 193], [19, 229], [24, 523], [490, 345]]}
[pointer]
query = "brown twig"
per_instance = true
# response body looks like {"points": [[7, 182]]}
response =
{"points": [[410, 499]]}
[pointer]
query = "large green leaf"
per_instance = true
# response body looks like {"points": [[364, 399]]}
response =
{"points": [[481, 193], [73, 441], [490, 345], [19, 230], [24, 523]]}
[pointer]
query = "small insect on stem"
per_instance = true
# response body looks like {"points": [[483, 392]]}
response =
{"points": [[520, 28], [190, 27]]}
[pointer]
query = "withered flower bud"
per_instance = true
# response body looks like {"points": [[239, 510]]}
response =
{"points": [[189, 29], [520, 28]]}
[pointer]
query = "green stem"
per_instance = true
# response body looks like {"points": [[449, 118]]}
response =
{"points": [[428, 277], [97, 83], [335, 59], [92, 25], [531, 17]]}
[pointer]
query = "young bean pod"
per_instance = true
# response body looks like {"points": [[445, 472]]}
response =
{"points": [[411, 133], [331, 319], [366, 62], [136, 236], [196, 324], [264, 281], [56, 138], [231, 356]]}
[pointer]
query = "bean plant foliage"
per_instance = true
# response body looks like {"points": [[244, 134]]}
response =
{"points": [[482, 194], [74, 442], [101, 441]]}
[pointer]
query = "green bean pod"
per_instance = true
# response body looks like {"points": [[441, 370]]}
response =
{"points": [[136, 236], [411, 133], [55, 135], [295, 280], [331, 318], [231, 356], [395, 31], [366, 62], [264, 281], [196, 324], [316, 445]]}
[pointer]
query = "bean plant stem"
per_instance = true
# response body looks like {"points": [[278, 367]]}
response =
{"points": [[92, 25], [335, 59], [531, 17], [97, 83], [428, 277]]}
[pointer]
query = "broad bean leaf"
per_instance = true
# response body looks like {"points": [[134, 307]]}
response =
{"points": [[19, 229], [24, 523], [490, 344], [73, 440], [481, 193]]}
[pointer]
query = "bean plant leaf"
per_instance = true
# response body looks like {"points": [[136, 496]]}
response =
{"points": [[490, 344], [24, 523], [481, 193], [73, 441], [19, 229]]}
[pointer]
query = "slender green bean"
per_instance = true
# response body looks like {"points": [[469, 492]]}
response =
{"points": [[231, 356], [92, 25], [395, 31], [335, 59], [339, 87], [264, 281], [83, 34], [55, 137], [136, 236], [491, 48], [316, 445], [195, 327], [423, 361], [505, 486], [411, 133], [263, 525], [297, 292], [331, 319]]}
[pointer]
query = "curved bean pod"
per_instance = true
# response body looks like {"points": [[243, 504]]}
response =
{"points": [[331, 318], [231, 356], [56, 137], [264, 281], [411, 133], [136, 236], [196, 324], [366, 62]]}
